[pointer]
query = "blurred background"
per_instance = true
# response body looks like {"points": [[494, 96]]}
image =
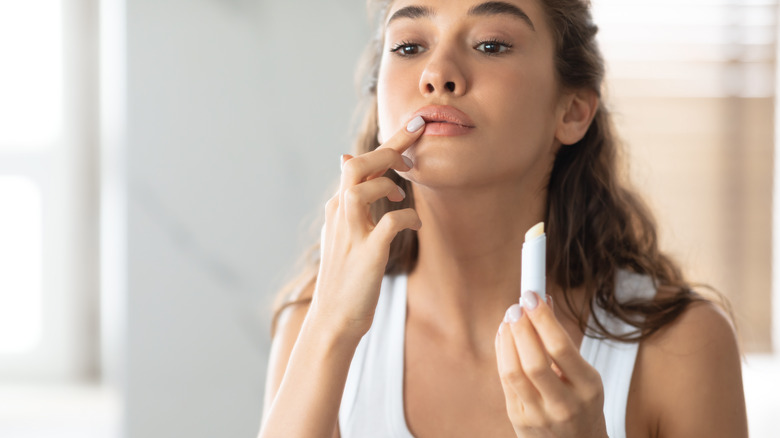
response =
{"points": [[161, 162]]}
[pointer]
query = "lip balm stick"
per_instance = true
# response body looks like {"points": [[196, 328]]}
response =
{"points": [[533, 265]]}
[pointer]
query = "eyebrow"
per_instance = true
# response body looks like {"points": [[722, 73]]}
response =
{"points": [[482, 9], [411, 12], [501, 8]]}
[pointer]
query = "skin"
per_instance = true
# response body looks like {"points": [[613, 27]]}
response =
{"points": [[475, 196]]}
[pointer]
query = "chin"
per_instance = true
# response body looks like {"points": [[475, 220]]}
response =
{"points": [[439, 167]]}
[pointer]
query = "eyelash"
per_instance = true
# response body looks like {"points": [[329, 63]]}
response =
{"points": [[395, 50]]}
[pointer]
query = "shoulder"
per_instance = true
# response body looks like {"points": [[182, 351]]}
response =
{"points": [[701, 335], [702, 328], [690, 376]]}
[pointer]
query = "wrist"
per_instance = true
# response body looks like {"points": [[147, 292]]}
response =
{"points": [[332, 331]]}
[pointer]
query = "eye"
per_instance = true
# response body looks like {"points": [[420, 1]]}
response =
{"points": [[493, 47], [406, 48]]}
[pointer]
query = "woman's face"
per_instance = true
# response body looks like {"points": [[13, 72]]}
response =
{"points": [[488, 67]]}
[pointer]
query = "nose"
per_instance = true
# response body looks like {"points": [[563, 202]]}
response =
{"points": [[443, 74]]}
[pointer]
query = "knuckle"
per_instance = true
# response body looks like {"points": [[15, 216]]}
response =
{"points": [[332, 203], [536, 370], [515, 415], [595, 398], [352, 167], [594, 394], [562, 412], [539, 419], [392, 220], [511, 376], [544, 423], [382, 182], [352, 194], [594, 379], [559, 349]]}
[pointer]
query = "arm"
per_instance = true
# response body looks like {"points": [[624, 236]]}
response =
{"points": [[689, 378], [319, 388], [353, 255]]}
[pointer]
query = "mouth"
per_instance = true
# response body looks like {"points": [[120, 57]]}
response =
{"points": [[429, 120], [445, 114]]}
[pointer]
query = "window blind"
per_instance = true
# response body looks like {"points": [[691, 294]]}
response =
{"points": [[691, 84], [699, 48]]}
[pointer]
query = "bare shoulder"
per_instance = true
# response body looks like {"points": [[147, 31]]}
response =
{"points": [[688, 376], [701, 331]]}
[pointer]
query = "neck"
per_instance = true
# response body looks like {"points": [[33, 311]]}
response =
{"points": [[468, 268]]}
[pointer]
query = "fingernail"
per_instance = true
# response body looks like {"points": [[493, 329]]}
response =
{"points": [[549, 300], [415, 124], [530, 300], [513, 314], [408, 161], [401, 191]]}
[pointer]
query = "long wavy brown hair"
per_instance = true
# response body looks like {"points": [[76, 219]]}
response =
{"points": [[596, 224]]}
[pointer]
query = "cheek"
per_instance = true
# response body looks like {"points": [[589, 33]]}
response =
{"points": [[521, 103], [395, 87]]}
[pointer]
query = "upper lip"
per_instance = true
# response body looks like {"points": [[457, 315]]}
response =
{"points": [[444, 113]]}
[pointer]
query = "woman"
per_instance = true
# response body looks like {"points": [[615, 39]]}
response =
{"points": [[484, 118]]}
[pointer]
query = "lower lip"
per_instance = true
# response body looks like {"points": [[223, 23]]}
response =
{"points": [[446, 129]]}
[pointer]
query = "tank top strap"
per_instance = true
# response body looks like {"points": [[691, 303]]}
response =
{"points": [[372, 402], [612, 359]]}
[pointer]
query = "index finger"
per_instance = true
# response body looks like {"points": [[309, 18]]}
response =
{"points": [[388, 155], [404, 138], [556, 341]]}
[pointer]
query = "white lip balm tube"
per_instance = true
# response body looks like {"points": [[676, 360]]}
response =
{"points": [[534, 260]]}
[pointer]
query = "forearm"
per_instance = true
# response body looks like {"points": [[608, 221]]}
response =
{"points": [[308, 399]]}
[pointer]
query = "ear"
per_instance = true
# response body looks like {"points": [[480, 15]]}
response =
{"points": [[577, 111]]}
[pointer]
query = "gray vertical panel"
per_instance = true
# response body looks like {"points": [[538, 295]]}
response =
{"points": [[237, 111]]}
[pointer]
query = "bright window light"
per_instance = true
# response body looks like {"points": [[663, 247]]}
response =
{"points": [[20, 264], [31, 66]]}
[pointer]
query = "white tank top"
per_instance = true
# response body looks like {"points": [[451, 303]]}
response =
{"points": [[372, 403]]}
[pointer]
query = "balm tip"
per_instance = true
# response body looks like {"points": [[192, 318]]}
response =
{"points": [[535, 231]]}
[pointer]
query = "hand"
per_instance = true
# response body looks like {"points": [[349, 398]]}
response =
{"points": [[353, 249], [550, 390]]}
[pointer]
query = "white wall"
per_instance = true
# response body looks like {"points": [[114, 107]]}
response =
{"points": [[236, 114]]}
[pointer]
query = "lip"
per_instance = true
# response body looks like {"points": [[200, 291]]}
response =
{"points": [[444, 120]]}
